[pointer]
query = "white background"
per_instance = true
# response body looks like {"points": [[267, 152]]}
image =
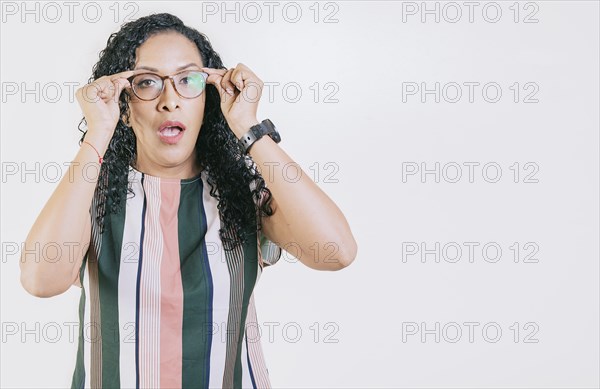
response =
{"points": [[371, 134]]}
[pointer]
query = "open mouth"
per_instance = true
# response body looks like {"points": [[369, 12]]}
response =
{"points": [[170, 131]]}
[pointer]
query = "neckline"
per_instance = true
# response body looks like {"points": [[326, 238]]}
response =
{"points": [[169, 179]]}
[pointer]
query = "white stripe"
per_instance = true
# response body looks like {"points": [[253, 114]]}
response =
{"points": [[221, 287], [150, 289], [91, 330], [236, 259], [251, 329], [255, 347], [127, 283]]}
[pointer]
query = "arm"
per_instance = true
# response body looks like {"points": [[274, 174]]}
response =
{"points": [[64, 227], [64, 224], [304, 216]]}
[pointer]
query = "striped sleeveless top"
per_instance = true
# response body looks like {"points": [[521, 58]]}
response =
{"points": [[162, 304]]}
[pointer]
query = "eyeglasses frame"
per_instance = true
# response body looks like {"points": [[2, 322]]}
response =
{"points": [[163, 78]]}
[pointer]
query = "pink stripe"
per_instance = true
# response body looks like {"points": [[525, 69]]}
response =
{"points": [[150, 289], [171, 312]]}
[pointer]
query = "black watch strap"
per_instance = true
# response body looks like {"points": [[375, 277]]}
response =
{"points": [[266, 127]]}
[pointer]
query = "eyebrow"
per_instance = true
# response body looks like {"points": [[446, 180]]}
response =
{"points": [[178, 69]]}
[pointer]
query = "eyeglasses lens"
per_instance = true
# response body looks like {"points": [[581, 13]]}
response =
{"points": [[189, 84]]}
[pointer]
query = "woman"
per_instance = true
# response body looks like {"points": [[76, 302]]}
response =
{"points": [[170, 235]]}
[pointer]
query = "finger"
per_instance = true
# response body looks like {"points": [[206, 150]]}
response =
{"points": [[125, 74], [101, 85], [215, 80], [237, 78], [107, 80], [215, 77], [109, 89], [111, 86], [122, 78], [119, 85], [220, 72], [92, 91], [227, 84]]}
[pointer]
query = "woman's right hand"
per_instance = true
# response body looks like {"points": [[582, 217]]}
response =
{"points": [[99, 101]]}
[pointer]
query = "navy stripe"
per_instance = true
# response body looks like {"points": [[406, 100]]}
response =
{"points": [[249, 365]]}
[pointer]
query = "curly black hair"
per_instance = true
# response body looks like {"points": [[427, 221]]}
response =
{"points": [[232, 175]]}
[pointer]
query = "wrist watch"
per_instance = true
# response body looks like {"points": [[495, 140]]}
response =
{"points": [[266, 127]]}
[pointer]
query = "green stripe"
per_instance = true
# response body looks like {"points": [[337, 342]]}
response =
{"points": [[196, 319], [250, 269], [108, 279]]}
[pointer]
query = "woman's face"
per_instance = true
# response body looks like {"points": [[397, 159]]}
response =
{"points": [[158, 153]]}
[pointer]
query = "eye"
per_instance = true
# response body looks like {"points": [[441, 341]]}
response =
{"points": [[193, 79], [145, 83]]}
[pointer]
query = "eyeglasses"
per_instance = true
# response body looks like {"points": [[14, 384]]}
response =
{"points": [[188, 84]]}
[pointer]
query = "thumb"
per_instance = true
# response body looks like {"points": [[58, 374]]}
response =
{"points": [[226, 98], [121, 84], [118, 86]]}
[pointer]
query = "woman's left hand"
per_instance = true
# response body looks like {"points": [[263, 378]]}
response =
{"points": [[240, 90]]}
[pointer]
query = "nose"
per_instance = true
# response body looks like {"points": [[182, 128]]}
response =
{"points": [[169, 98]]}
